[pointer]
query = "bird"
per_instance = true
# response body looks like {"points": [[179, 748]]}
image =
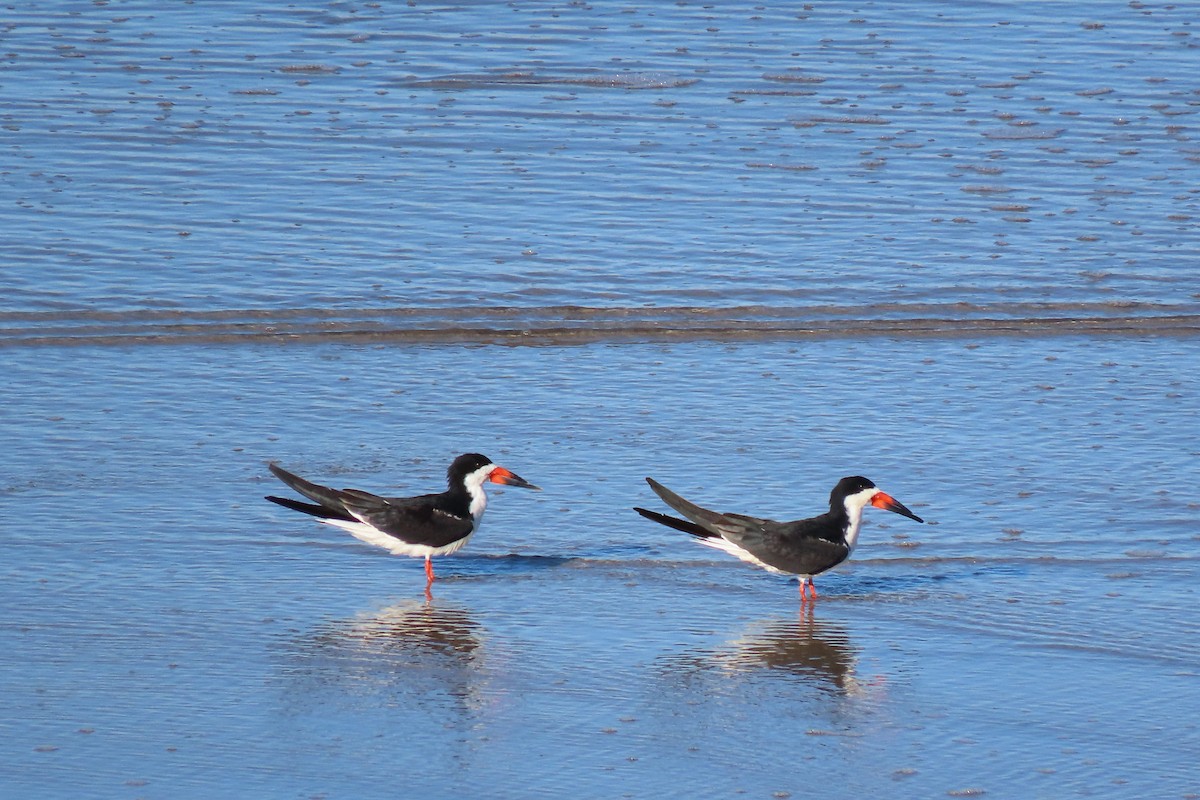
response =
{"points": [[424, 526], [805, 547]]}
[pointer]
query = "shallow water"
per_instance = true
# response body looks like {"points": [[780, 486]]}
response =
{"points": [[169, 633], [743, 250]]}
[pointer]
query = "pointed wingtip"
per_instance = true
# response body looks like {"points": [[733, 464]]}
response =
{"points": [[663, 492]]}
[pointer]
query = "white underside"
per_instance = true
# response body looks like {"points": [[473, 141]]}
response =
{"points": [[740, 553], [365, 533]]}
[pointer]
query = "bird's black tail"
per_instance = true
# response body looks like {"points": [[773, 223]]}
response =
{"points": [[310, 508], [330, 498], [676, 523]]}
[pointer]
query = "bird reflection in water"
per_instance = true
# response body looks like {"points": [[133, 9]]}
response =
{"points": [[803, 647], [413, 628], [415, 649]]}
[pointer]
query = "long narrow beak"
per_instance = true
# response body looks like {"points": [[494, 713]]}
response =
{"points": [[508, 478], [886, 501]]}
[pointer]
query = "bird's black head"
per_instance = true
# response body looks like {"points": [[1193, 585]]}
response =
{"points": [[474, 468], [848, 486], [464, 465]]}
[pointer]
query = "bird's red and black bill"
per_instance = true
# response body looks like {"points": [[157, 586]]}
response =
{"points": [[510, 478], [886, 501]]}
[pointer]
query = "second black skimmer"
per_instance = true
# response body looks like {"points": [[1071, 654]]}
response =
{"points": [[424, 526], [806, 547]]}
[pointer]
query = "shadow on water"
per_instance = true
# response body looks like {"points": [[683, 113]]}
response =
{"points": [[806, 649], [883, 587], [475, 566], [921, 578]]}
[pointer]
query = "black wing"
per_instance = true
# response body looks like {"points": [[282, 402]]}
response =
{"points": [[711, 521], [416, 520], [798, 547]]}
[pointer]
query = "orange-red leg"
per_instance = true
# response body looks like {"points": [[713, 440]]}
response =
{"points": [[812, 589], [428, 569]]}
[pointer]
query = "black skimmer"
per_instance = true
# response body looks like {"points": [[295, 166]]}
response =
{"points": [[806, 547], [428, 525]]}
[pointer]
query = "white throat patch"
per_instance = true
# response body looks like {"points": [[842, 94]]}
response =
{"points": [[474, 483], [855, 504]]}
